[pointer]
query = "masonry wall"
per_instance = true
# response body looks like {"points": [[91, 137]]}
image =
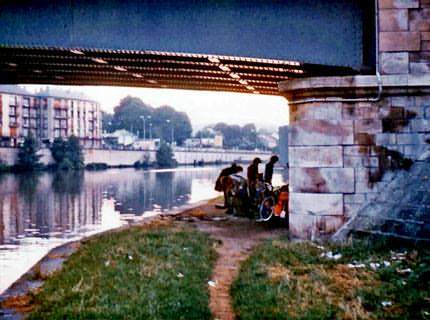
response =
{"points": [[404, 37], [342, 154], [129, 157]]}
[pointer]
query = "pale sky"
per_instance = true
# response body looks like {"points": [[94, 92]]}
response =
{"points": [[202, 107]]}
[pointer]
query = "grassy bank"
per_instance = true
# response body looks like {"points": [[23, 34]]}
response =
{"points": [[304, 281], [160, 273]]}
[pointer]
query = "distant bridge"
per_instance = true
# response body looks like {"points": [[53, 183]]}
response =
{"points": [[231, 45]]}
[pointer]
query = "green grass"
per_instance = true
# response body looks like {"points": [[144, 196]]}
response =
{"points": [[133, 274], [281, 280]]}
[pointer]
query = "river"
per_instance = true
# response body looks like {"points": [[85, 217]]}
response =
{"points": [[41, 211]]}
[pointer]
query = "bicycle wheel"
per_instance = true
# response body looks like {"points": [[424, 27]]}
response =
{"points": [[266, 208]]}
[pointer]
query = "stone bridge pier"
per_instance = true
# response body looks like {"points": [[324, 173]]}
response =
{"points": [[348, 138]]}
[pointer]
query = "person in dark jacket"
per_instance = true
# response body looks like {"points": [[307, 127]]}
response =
{"points": [[253, 176], [268, 172]]}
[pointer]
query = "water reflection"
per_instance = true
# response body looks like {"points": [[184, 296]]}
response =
{"points": [[40, 211]]}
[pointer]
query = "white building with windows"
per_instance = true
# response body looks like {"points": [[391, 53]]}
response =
{"points": [[47, 115]]}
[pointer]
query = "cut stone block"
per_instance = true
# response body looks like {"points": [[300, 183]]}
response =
{"points": [[316, 204], [312, 227], [400, 4], [322, 180], [419, 20], [321, 133], [394, 62], [307, 157], [420, 67], [399, 41], [393, 19]]}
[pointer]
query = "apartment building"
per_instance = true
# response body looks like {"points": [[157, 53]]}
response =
{"points": [[47, 115]]}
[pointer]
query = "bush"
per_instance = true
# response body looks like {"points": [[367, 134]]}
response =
{"points": [[165, 157], [67, 154], [4, 167], [28, 159], [96, 166], [146, 163]]}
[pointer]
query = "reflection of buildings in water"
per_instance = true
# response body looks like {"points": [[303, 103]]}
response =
{"points": [[66, 203], [31, 207]]}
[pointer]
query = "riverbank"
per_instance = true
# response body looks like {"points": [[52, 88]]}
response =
{"points": [[204, 220], [156, 272], [114, 158], [226, 267]]}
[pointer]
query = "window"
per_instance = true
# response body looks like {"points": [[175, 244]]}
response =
{"points": [[26, 102], [12, 101], [12, 121]]}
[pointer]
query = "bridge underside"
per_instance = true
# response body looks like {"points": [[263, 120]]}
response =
{"points": [[183, 44], [155, 69]]}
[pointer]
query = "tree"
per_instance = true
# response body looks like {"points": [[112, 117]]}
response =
{"points": [[28, 159], [107, 121], [127, 115], [205, 133], [165, 157], [165, 122], [249, 137], [74, 153], [232, 134], [58, 150], [67, 154], [245, 137], [169, 123]]}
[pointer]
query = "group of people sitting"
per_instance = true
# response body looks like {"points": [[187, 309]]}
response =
{"points": [[245, 195]]}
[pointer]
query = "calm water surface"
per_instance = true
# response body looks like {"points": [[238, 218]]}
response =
{"points": [[41, 211]]}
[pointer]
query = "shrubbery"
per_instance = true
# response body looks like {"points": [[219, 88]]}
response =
{"points": [[3, 166], [28, 159], [96, 166], [165, 157], [67, 154], [144, 164]]}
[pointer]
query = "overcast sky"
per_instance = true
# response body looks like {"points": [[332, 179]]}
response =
{"points": [[203, 107]]}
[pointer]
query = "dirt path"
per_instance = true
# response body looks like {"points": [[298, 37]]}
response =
{"points": [[237, 237]]}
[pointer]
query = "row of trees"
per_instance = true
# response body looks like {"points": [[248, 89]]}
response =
{"points": [[235, 136], [68, 155], [134, 115], [138, 117]]}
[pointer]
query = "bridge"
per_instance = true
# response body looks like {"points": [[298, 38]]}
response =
{"points": [[356, 75], [239, 46]]}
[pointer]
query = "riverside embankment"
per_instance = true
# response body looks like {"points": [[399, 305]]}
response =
{"points": [[128, 157]]}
